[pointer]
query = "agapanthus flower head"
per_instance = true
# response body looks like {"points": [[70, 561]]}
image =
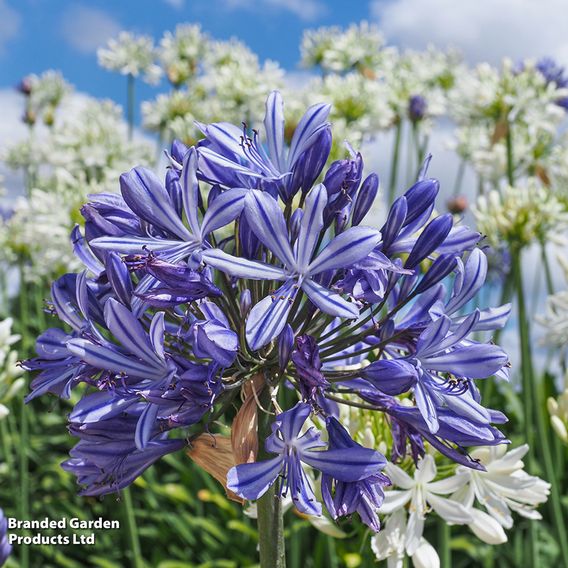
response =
{"points": [[131, 54], [182, 51], [250, 266]]}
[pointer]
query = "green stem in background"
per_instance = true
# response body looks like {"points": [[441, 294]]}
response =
{"points": [[534, 409], [131, 529], [269, 507], [444, 549], [547, 271], [394, 161], [459, 178], [130, 102], [24, 478], [510, 165]]}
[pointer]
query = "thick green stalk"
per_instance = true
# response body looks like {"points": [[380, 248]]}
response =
{"points": [[394, 161], [131, 529], [270, 518], [444, 550], [24, 479], [534, 410]]}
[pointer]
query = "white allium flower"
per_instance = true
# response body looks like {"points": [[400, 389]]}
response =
{"points": [[422, 493], [182, 52], [521, 215], [10, 372], [359, 106], [504, 486], [47, 89], [392, 544], [339, 51], [130, 54]]}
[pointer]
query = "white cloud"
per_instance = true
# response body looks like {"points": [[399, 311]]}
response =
{"points": [[484, 30], [305, 10], [86, 29], [9, 24], [176, 4]]}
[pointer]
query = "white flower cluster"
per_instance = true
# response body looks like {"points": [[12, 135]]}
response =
{"points": [[340, 51], [44, 94], [75, 158], [521, 215], [229, 83], [182, 52], [504, 487], [10, 372], [131, 54], [490, 104]]}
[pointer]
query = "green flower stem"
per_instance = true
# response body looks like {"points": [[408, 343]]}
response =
{"points": [[269, 507], [444, 549], [534, 409], [547, 271], [394, 161], [24, 478], [131, 529], [510, 164], [130, 102], [459, 178]]}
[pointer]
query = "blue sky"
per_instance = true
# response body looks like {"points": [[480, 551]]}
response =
{"points": [[36, 35], [62, 34]]}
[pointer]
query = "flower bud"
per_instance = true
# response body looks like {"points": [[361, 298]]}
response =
{"points": [[285, 345], [365, 198]]}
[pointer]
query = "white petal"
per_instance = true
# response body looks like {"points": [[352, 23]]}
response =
{"points": [[450, 511], [425, 556], [486, 528]]}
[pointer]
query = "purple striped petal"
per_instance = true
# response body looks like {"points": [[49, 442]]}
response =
{"points": [[108, 359], [100, 406], [129, 332], [157, 328], [473, 277], [190, 191], [146, 426], [267, 221], [224, 209], [345, 464], [310, 226], [148, 198], [241, 267], [274, 128], [328, 301], [252, 480], [314, 120], [139, 245], [475, 361], [343, 251], [267, 318]]}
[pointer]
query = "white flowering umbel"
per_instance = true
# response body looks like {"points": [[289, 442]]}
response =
{"points": [[182, 51], [340, 51], [521, 215], [229, 83], [10, 372], [131, 54], [490, 104], [75, 158], [45, 93]]}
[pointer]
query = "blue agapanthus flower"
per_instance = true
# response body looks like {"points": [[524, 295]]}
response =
{"points": [[251, 265]]}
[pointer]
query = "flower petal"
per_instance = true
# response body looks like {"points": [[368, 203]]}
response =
{"points": [[311, 225], [267, 221], [252, 480], [346, 249], [328, 301], [241, 267]]}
